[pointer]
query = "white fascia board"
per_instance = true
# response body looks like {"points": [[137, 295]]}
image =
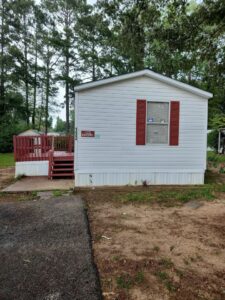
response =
{"points": [[147, 73]]}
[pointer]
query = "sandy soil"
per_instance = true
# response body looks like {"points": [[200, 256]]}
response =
{"points": [[146, 251]]}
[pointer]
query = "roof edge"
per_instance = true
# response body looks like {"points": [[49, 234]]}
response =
{"points": [[148, 73]]}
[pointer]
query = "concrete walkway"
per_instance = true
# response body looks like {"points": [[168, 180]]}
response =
{"points": [[29, 184], [45, 251]]}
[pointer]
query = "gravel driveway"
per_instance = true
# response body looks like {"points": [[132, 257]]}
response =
{"points": [[45, 251]]}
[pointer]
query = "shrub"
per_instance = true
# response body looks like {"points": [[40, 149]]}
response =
{"points": [[213, 139]]}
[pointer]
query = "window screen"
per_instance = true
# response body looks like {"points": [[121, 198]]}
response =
{"points": [[157, 122]]}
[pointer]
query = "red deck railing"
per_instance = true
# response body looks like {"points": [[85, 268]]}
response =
{"points": [[29, 148]]}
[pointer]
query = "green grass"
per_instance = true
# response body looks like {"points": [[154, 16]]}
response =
{"points": [[58, 193], [214, 157], [6, 160], [176, 196]]}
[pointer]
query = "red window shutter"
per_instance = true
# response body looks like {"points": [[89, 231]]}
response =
{"points": [[141, 122], [174, 122]]}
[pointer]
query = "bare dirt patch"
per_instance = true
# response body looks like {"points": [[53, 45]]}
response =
{"points": [[145, 250], [6, 176]]}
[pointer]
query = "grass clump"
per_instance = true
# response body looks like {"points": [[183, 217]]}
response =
{"points": [[165, 279], [139, 278], [162, 275], [124, 281], [166, 263], [57, 193]]}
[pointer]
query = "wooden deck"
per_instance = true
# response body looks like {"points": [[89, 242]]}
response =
{"points": [[45, 156], [58, 151]]}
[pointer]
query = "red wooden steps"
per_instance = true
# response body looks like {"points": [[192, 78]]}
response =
{"points": [[61, 166]]}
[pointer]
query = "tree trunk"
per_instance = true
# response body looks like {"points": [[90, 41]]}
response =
{"points": [[26, 69], [67, 96], [93, 62], [35, 83], [67, 67], [2, 84], [47, 93], [41, 111]]}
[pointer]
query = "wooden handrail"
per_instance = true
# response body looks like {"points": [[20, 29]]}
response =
{"points": [[30, 148]]}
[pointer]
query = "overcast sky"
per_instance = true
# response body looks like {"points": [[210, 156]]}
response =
{"points": [[91, 1]]}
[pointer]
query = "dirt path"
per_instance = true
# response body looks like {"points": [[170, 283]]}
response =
{"points": [[45, 251]]}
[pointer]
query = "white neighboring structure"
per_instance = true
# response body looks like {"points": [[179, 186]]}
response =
{"points": [[160, 139], [29, 132]]}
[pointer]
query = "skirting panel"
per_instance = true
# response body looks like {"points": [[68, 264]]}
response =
{"points": [[152, 178], [32, 168]]}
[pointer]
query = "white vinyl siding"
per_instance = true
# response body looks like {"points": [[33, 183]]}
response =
{"points": [[157, 122], [110, 111]]}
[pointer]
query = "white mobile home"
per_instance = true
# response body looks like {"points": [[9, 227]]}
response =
{"points": [[140, 127]]}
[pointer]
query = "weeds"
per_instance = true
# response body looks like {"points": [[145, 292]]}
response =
{"points": [[162, 275], [165, 279], [124, 281], [166, 263], [170, 197], [156, 248], [27, 196], [139, 278], [57, 193]]}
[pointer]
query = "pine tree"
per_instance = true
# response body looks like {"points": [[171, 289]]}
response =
{"points": [[65, 14]]}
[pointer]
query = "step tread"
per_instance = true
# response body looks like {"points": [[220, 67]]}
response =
{"points": [[61, 169], [64, 164], [62, 175], [63, 158]]}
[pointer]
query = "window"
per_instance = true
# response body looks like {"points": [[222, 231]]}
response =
{"points": [[157, 122]]}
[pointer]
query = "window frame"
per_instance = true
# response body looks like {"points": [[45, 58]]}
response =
{"points": [[157, 123]]}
